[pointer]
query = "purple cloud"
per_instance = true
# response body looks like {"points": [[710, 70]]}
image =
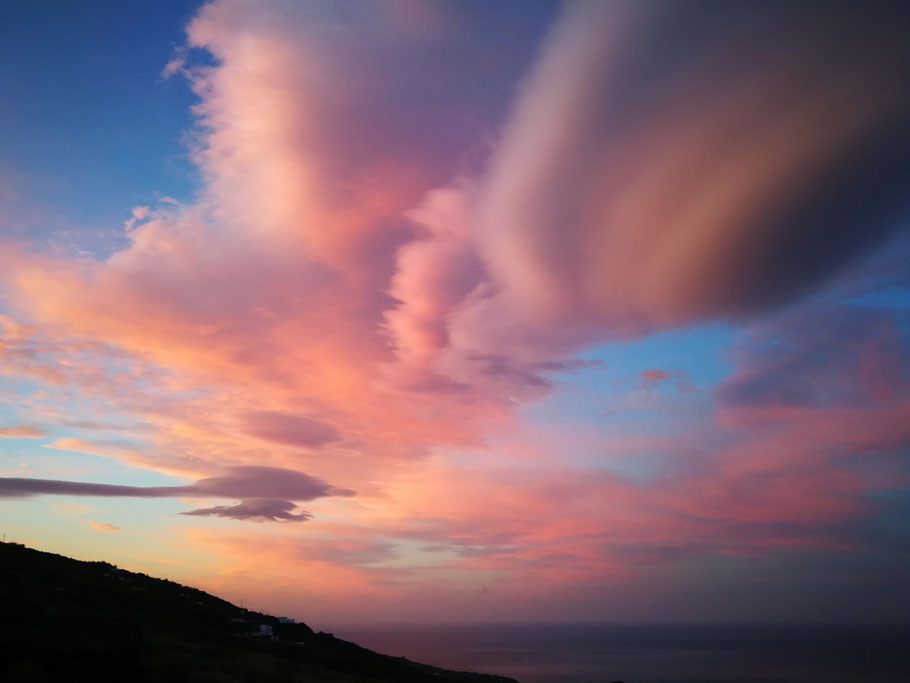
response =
{"points": [[19, 487], [266, 492], [266, 482], [256, 510], [291, 430]]}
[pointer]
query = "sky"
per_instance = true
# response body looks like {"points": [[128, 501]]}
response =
{"points": [[436, 311]]}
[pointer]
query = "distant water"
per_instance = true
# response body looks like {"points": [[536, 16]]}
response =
{"points": [[585, 653]]}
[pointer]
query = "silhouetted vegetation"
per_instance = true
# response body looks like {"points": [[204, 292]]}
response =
{"points": [[66, 620]]}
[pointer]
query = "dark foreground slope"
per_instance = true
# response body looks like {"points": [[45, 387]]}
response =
{"points": [[66, 620]]}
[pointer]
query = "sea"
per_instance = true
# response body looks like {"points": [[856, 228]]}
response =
{"points": [[678, 653]]}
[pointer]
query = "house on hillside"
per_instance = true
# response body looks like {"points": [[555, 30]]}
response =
{"points": [[253, 628]]}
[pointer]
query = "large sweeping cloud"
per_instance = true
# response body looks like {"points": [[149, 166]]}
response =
{"points": [[662, 164], [669, 163]]}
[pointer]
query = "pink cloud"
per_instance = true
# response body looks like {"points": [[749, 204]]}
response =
{"points": [[139, 214], [434, 275], [654, 375], [102, 526], [294, 430], [22, 432]]}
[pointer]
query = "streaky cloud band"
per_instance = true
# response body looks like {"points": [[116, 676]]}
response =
{"points": [[264, 491]]}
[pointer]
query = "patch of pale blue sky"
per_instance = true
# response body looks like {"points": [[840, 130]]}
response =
{"points": [[693, 357], [39, 459], [91, 126]]}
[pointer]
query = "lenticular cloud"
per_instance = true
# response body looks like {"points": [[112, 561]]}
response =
{"points": [[257, 510], [263, 491]]}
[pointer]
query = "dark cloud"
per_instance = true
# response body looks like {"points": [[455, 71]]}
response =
{"points": [[266, 482], [263, 490], [668, 163], [291, 430], [18, 487], [256, 510]]}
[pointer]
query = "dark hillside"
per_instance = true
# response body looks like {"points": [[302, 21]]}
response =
{"points": [[66, 620]]}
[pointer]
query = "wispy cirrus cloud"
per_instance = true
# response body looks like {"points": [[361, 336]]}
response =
{"points": [[23, 432], [102, 526]]}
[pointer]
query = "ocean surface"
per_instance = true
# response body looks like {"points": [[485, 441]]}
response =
{"points": [[587, 653]]}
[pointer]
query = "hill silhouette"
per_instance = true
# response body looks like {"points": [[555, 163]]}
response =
{"points": [[67, 620]]}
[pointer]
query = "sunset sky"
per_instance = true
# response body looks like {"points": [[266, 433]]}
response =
{"points": [[425, 310]]}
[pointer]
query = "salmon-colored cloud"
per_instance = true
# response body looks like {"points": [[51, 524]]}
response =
{"points": [[102, 526], [22, 432]]}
